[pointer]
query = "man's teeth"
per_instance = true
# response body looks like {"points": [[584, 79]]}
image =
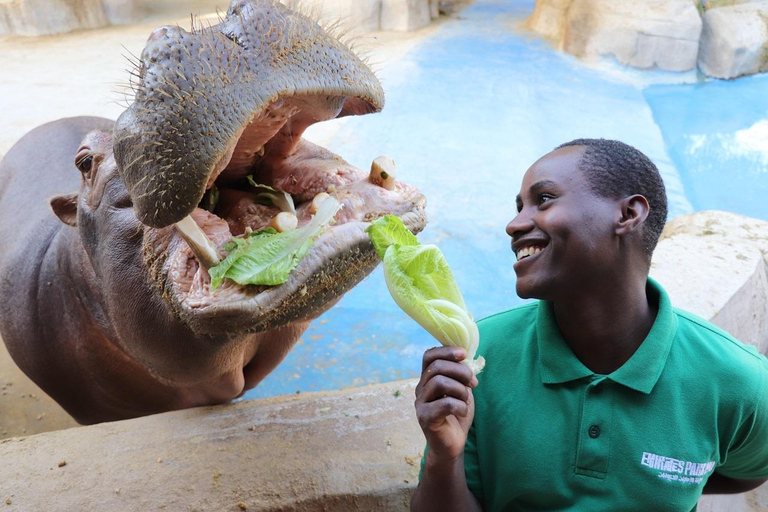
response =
{"points": [[527, 251]]}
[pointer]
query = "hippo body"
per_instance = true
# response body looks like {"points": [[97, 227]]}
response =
{"points": [[70, 325], [109, 308]]}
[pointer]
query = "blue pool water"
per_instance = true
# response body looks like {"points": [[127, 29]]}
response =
{"points": [[468, 111]]}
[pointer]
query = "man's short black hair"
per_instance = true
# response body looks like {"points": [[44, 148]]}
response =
{"points": [[616, 170]]}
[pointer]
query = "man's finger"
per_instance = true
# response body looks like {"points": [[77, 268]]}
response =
{"points": [[433, 414], [455, 354], [442, 386]]}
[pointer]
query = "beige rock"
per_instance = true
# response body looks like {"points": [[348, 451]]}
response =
{"points": [[434, 9], [548, 19], [734, 40], [120, 12], [660, 33], [355, 16], [44, 17], [714, 264], [404, 15]]}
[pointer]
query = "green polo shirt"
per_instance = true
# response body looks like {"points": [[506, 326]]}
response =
{"points": [[549, 434]]}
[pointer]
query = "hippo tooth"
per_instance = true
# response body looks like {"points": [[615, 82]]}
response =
{"points": [[383, 172], [317, 201], [284, 221], [198, 241]]}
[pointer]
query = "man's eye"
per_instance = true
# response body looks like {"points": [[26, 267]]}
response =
{"points": [[543, 198]]}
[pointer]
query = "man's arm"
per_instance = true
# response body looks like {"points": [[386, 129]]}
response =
{"points": [[443, 488], [719, 484], [445, 409]]}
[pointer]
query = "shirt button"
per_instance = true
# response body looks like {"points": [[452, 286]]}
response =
{"points": [[594, 431]]}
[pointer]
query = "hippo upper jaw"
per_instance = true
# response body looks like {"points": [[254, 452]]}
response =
{"points": [[228, 96]]}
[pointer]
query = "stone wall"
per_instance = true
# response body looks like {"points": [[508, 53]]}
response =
{"points": [[727, 40], [734, 40], [45, 17], [347, 450], [360, 16]]}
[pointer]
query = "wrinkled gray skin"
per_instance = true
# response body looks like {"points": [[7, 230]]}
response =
{"points": [[105, 308]]}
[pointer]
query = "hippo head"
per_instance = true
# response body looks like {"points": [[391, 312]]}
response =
{"points": [[218, 105]]}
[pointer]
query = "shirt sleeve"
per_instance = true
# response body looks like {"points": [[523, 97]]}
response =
{"points": [[748, 456]]}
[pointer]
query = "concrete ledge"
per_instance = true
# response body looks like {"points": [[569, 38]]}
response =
{"points": [[347, 450]]}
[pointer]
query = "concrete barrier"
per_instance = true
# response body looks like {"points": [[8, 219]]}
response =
{"points": [[347, 450]]}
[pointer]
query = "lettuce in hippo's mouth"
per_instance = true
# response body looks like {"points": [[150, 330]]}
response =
{"points": [[268, 257]]}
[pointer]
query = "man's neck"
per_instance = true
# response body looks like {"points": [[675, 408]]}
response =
{"points": [[605, 328]]}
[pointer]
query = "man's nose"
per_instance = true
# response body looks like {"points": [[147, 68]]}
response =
{"points": [[521, 223]]}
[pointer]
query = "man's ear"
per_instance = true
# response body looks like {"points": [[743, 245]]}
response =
{"points": [[634, 211], [65, 208]]}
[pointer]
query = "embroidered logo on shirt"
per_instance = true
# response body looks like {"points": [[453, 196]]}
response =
{"points": [[676, 470]]}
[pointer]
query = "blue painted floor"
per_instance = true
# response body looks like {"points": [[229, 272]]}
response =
{"points": [[468, 111]]}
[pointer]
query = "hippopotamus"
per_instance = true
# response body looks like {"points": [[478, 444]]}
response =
{"points": [[109, 306]]}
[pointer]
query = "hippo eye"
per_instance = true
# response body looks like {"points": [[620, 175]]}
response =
{"points": [[85, 164]]}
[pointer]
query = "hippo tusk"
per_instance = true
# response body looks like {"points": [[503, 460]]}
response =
{"points": [[198, 241], [383, 172]]}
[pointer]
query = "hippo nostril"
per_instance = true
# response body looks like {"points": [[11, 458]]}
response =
{"points": [[165, 32], [238, 5], [158, 33]]}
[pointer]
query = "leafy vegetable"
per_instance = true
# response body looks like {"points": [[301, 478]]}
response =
{"points": [[267, 257], [421, 283], [277, 198]]}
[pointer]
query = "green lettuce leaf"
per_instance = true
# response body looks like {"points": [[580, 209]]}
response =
{"points": [[273, 196], [389, 230], [267, 257], [421, 283]]}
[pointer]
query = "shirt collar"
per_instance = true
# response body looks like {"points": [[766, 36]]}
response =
{"points": [[642, 370]]}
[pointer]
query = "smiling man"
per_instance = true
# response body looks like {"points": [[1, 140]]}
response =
{"points": [[601, 395]]}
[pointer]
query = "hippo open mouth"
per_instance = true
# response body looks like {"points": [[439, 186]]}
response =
{"points": [[216, 123]]}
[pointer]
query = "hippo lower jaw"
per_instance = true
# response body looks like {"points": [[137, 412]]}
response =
{"points": [[339, 259]]}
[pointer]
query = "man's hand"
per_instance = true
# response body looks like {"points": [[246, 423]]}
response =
{"points": [[444, 403], [445, 409]]}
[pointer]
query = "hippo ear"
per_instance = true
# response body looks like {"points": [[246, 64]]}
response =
{"points": [[65, 208]]}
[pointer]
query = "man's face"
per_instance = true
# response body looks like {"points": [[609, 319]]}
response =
{"points": [[563, 236]]}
